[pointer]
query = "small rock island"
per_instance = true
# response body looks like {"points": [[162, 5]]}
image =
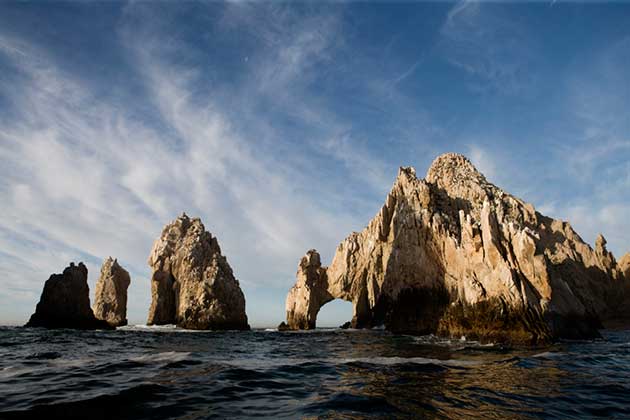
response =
{"points": [[110, 302], [454, 255], [65, 302], [192, 284]]}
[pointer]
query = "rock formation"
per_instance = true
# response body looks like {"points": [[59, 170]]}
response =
{"points": [[65, 302], [192, 283], [624, 265], [110, 301], [453, 254]]}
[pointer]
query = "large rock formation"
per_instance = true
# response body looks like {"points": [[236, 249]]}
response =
{"points": [[192, 283], [65, 302], [453, 254], [110, 301]]}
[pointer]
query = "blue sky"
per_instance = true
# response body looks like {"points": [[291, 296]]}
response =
{"points": [[283, 125]]}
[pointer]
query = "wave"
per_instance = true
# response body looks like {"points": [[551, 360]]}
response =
{"points": [[167, 356], [374, 360]]}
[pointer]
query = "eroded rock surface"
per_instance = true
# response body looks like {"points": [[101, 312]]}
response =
{"points": [[192, 284], [65, 302], [110, 301], [453, 254], [624, 265]]}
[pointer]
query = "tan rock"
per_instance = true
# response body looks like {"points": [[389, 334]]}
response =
{"points": [[192, 283], [624, 266], [311, 282], [65, 302], [110, 301], [455, 255]]}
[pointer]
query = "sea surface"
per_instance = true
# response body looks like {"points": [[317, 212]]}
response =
{"points": [[167, 373]]}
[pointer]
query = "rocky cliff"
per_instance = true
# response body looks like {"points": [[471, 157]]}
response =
{"points": [[110, 298], [65, 302], [192, 283], [452, 254]]}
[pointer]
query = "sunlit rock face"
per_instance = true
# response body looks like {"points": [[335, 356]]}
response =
{"points": [[452, 254], [110, 301], [624, 265], [65, 302], [192, 284]]}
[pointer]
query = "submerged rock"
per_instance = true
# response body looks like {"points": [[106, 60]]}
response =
{"points": [[110, 301], [283, 327], [452, 254], [192, 284], [65, 302]]}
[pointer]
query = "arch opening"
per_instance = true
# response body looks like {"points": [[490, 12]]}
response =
{"points": [[335, 313]]}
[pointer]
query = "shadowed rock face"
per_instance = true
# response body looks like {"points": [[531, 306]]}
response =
{"points": [[110, 302], [65, 302], [192, 283], [454, 255]]}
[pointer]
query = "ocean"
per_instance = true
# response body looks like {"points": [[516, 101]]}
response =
{"points": [[167, 373]]}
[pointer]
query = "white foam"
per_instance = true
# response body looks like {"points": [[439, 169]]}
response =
{"points": [[376, 360], [548, 355], [167, 356], [169, 328], [10, 371]]}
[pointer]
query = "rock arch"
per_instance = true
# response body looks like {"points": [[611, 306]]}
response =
{"points": [[312, 291]]}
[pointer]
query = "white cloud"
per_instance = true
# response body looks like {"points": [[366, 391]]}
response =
{"points": [[89, 179], [478, 39], [482, 161]]}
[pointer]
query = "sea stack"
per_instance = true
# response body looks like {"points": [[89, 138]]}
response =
{"points": [[192, 284], [110, 301], [454, 255], [65, 302]]}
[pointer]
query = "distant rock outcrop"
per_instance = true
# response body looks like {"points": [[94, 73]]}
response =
{"points": [[453, 254], [110, 301], [65, 302], [192, 283]]}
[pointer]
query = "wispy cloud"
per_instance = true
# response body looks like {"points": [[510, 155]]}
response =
{"points": [[91, 176], [489, 46]]}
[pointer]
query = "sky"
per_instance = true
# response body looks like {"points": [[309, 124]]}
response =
{"points": [[282, 126]]}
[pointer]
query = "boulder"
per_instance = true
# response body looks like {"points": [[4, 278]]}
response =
{"points": [[65, 302], [192, 284], [454, 255], [110, 301]]}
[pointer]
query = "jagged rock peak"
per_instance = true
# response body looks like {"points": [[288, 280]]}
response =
{"points": [[308, 294], [454, 168], [458, 177], [192, 284], [65, 302], [311, 259], [110, 301]]}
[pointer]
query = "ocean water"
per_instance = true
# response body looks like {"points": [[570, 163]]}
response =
{"points": [[164, 373]]}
